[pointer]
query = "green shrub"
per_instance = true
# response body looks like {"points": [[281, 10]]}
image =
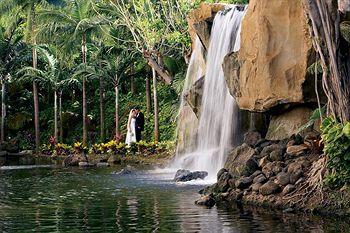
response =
{"points": [[336, 139]]}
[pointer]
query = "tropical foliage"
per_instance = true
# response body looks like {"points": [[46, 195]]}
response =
{"points": [[71, 70], [112, 147], [336, 139]]}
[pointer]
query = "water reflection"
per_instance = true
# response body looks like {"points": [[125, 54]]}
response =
{"points": [[60, 200]]}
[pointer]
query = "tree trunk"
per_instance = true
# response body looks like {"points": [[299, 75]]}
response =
{"points": [[148, 95], [116, 89], [155, 98], [55, 117], [132, 80], [60, 114], [102, 111], [3, 109], [132, 85], [36, 103], [158, 67], [332, 50], [84, 51]]}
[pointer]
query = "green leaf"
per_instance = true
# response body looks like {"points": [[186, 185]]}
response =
{"points": [[346, 129]]}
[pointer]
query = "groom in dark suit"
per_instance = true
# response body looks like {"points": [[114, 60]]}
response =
{"points": [[140, 123]]}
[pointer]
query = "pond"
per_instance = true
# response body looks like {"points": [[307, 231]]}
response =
{"points": [[46, 199]]}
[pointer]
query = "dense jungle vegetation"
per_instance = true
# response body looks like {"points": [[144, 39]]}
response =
{"points": [[65, 61]]}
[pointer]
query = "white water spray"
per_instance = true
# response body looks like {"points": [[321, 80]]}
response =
{"points": [[217, 124]]}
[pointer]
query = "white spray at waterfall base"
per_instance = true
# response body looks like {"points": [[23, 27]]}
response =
{"points": [[217, 129]]}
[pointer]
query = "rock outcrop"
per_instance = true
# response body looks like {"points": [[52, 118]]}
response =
{"points": [[194, 96], [285, 125], [272, 183], [199, 21], [271, 67]]}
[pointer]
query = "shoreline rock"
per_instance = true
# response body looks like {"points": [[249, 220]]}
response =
{"points": [[275, 184]]}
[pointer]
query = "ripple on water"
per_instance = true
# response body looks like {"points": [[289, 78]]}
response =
{"points": [[59, 200]]}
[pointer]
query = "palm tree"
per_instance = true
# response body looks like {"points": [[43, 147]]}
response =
{"points": [[29, 8], [77, 22], [112, 64], [10, 47], [49, 76]]}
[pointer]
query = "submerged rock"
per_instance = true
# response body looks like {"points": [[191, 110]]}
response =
{"points": [[186, 175], [86, 164], [102, 164], [207, 200], [83, 164], [125, 171]]}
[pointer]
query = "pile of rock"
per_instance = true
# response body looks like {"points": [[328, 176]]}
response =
{"points": [[262, 167]]}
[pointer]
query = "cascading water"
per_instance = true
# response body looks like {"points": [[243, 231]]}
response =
{"points": [[218, 118]]}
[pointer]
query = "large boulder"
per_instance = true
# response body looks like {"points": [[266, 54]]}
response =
{"points": [[269, 188], [223, 183], [186, 175], [207, 200], [128, 170], [243, 182], [272, 168], [241, 161], [252, 138], [275, 52], [285, 125]]}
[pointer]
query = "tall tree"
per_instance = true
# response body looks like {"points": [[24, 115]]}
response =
{"points": [[49, 76], [77, 22], [157, 29], [333, 49], [11, 47], [29, 8]]}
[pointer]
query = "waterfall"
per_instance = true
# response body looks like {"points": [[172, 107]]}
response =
{"points": [[218, 118], [187, 120]]}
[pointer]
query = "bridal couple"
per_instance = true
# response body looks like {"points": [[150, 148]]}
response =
{"points": [[135, 126]]}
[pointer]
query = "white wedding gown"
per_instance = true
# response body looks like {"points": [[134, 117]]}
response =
{"points": [[131, 135]]}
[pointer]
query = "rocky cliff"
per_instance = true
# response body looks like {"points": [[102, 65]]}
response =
{"points": [[271, 67]]}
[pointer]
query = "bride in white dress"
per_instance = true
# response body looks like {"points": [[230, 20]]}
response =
{"points": [[131, 134]]}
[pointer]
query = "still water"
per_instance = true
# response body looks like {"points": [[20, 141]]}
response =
{"points": [[50, 199]]}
